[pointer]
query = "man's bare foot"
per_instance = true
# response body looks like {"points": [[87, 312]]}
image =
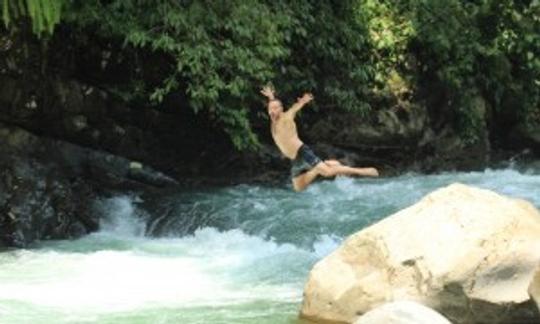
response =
{"points": [[370, 172]]}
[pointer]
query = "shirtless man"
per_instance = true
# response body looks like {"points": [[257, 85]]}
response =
{"points": [[306, 166]]}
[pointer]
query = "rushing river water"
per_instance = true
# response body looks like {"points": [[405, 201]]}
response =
{"points": [[246, 264]]}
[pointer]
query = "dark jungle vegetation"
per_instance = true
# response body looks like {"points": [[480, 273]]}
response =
{"points": [[355, 55]]}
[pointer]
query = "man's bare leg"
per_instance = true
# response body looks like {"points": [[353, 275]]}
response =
{"points": [[328, 169], [305, 179], [336, 168], [332, 162]]}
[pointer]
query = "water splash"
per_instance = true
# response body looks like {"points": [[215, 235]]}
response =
{"points": [[119, 216]]}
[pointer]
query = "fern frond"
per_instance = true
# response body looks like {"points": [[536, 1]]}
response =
{"points": [[5, 12], [44, 14]]}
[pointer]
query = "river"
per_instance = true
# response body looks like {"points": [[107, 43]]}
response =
{"points": [[246, 263]]}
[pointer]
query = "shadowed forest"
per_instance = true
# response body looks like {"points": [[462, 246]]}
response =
{"points": [[470, 65]]}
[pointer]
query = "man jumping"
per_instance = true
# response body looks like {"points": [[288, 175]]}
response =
{"points": [[306, 166]]}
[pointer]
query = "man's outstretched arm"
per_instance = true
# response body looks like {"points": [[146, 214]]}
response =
{"points": [[300, 103]]}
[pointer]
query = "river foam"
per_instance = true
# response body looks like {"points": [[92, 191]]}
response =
{"points": [[246, 263]]}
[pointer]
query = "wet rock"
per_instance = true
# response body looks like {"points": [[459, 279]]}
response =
{"points": [[39, 202], [76, 123], [48, 187], [525, 136]]}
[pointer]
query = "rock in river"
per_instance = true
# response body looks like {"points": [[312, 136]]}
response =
{"points": [[465, 252]]}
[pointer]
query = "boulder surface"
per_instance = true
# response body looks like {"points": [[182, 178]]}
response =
{"points": [[465, 252]]}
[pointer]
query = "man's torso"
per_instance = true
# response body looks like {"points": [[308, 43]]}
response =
{"points": [[285, 136]]}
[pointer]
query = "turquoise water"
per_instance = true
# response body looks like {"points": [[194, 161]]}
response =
{"points": [[246, 263]]}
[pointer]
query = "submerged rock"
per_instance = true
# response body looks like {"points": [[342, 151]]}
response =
{"points": [[468, 253], [402, 312]]}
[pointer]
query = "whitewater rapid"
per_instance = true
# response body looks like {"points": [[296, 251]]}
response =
{"points": [[247, 262]]}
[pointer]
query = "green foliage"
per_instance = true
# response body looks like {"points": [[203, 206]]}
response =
{"points": [[461, 50], [221, 52], [482, 46], [44, 14], [329, 54], [390, 32], [218, 53]]}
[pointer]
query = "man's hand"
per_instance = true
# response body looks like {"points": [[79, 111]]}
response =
{"points": [[269, 92], [300, 103], [307, 97]]}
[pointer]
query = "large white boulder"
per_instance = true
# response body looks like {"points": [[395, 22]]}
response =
{"points": [[468, 253], [402, 312]]}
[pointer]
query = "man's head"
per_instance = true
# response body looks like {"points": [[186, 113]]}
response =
{"points": [[275, 107]]}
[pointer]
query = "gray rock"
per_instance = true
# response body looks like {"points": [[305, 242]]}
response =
{"points": [[48, 187]]}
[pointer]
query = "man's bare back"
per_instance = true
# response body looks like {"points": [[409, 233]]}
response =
{"points": [[306, 166]]}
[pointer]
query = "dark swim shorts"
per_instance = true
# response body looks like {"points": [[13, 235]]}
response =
{"points": [[305, 160]]}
